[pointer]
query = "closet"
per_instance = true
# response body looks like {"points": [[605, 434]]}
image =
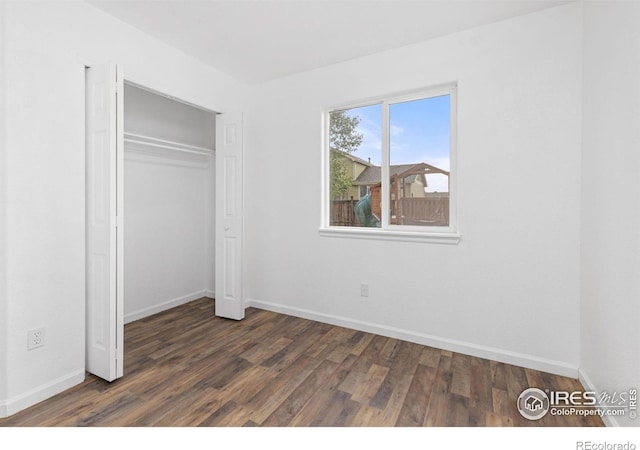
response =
{"points": [[169, 202]]}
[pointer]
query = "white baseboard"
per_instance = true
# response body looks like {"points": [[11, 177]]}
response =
{"points": [[40, 393], [154, 309], [209, 293], [480, 351], [588, 385]]}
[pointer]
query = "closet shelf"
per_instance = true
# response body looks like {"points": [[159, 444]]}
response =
{"points": [[165, 144]]}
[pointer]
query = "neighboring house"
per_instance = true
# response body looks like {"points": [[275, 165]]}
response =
{"points": [[367, 175], [414, 180], [408, 181], [356, 167]]}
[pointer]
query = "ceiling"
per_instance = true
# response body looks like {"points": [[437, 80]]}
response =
{"points": [[256, 41]]}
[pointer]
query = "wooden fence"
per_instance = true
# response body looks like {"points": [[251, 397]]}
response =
{"points": [[429, 211], [342, 213]]}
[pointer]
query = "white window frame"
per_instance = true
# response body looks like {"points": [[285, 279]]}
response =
{"points": [[444, 235]]}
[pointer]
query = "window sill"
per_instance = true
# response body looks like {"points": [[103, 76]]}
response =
{"points": [[391, 235]]}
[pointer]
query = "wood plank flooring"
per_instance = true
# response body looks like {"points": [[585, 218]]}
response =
{"points": [[185, 367]]}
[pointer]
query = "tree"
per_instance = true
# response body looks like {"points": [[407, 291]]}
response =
{"points": [[343, 140]]}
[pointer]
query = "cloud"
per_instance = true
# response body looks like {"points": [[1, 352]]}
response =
{"points": [[441, 162], [395, 130], [437, 183]]}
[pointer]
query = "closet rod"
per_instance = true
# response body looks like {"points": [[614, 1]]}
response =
{"points": [[161, 143]]}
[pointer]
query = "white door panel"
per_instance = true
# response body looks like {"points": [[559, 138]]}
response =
{"points": [[104, 314], [229, 300]]}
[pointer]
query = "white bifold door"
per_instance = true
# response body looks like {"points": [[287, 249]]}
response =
{"points": [[104, 208], [229, 231]]}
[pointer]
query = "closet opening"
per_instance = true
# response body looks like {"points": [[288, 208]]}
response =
{"points": [[169, 202], [163, 222]]}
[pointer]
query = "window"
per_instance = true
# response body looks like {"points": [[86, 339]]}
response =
{"points": [[391, 167]]}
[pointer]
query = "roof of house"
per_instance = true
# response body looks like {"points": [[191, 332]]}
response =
{"points": [[373, 174], [354, 158]]}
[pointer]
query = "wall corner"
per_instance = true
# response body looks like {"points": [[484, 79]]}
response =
{"points": [[3, 290]]}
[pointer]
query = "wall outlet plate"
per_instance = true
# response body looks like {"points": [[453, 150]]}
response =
{"points": [[35, 338]]}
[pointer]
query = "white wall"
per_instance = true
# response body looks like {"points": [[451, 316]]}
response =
{"points": [[46, 44], [510, 289], [3, 303], [610, 336]]}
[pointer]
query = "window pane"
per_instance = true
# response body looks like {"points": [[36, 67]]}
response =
{"points": [[419, 134], [354, 166]]}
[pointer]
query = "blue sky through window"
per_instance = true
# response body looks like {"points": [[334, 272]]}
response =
{"points": [[419, 132]]}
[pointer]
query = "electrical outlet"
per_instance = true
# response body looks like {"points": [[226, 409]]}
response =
{"points": [[364, 290], [35, 338]]}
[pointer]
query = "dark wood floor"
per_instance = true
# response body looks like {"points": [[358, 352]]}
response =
{"points": [[186, 367]]}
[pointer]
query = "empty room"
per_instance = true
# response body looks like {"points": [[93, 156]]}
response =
{"points": [[339, 214]]}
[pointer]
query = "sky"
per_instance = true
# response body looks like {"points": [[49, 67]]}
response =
{"points": [[419, 132]]}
